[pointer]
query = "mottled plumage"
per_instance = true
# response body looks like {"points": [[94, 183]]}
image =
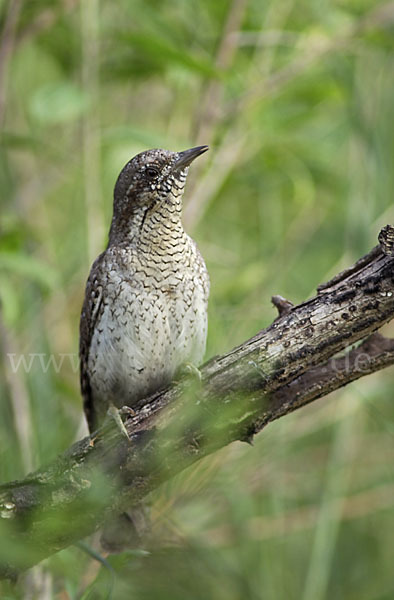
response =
{"points": [[145, 308]]}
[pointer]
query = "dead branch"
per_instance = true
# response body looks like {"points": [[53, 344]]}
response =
{"points": [[303, 355]]}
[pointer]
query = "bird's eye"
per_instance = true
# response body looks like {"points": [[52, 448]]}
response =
{"points": [[151, 172]]}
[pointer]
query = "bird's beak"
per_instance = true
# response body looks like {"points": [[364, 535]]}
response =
{"points": [[187, 156]]}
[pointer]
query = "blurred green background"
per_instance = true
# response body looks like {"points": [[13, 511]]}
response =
{"points": [[295, 99]]}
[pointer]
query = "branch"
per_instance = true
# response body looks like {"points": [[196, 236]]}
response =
{"points": [[285, 366]]}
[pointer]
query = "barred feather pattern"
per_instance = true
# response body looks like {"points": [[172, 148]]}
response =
{"points": [[145, 308]]}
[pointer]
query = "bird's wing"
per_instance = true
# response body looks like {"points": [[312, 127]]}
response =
{"points": [[91, 310]]}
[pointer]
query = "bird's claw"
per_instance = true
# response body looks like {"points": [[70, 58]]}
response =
{"points": [[190, 370], [127, 411], [116, 414]]}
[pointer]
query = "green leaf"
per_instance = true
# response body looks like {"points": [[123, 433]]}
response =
{"points": [[9, 301], [164, 52], [17, 140], [29, 267], [58, 103]]}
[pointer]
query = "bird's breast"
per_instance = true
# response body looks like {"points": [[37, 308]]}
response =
{"points": [[149, 326]]}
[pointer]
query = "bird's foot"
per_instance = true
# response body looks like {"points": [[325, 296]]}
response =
{"points": [[190, 370], [116, 414]]}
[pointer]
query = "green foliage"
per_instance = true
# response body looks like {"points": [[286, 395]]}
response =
{"points": [[296, 105], [58, 103]]}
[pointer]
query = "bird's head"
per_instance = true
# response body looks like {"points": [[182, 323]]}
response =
{"points": [[152, 178]]}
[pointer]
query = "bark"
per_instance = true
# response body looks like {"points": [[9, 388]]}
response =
{"points": [[303, 355]]}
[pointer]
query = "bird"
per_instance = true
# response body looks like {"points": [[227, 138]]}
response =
{"points": [[144, 315]]}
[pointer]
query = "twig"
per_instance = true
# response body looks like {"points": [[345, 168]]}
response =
{"points": [[6, 48], [284, 306], [211, 101]]}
